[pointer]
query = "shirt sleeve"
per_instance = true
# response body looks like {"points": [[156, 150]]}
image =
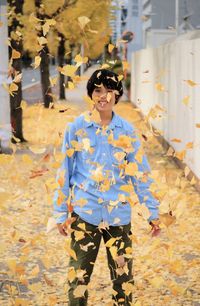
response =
{"points": [[62, 193], [142, 180]]}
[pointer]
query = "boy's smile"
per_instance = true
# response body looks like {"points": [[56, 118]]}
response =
{"points": [[104, 99]]}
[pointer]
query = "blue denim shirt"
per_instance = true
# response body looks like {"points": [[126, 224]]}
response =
{"points": [[102, 169]]}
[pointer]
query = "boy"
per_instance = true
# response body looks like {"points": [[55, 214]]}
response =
{"points": [[103, 164]]}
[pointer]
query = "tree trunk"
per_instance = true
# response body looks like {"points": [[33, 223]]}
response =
{"points": [[44, 73], [44, 65], [15, 101], [61, 57]]}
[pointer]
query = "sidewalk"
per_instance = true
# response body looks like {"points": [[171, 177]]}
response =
{"points": [[34, 265]]}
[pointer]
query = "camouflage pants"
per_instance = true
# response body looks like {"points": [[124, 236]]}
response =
{"points": [[86, 247]]}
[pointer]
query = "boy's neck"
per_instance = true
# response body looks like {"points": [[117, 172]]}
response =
{"points": [[106, 118]]}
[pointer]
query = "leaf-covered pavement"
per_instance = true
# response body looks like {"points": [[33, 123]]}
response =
{"points": [[34, 264]]}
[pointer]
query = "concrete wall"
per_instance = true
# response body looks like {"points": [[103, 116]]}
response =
{"points": [[171, 65]]}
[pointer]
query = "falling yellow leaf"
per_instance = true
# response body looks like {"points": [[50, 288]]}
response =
{"points": [[120, 77], [131, 169], [83, 21], [79, 291], [186, 100], [70, 152], [127, 188], [176, 140], [68, 70], [18, 78], [197, 125], [70, 85], [167, 219], [110, 48], [170, 151], [23, 104], [53, 80], [193, 181], [128, 288], [189, 145], [1, 23], [159, 87], [105, 66], [125, 65], [37, 150], [186, 170], [110, 242], [12, 88], [191, 83], [79, 235], [80, 60], [15, 54], [42, 40], [180, 154], [47, 25], [37, 62], [71, 274]]}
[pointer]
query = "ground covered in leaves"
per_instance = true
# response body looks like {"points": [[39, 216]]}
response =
{"points": [[34, 264]]}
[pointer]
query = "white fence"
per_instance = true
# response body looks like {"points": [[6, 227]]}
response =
{"points": [[170, 77]]}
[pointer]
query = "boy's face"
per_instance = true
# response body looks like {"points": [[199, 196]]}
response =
{"points": [[104, 98]]}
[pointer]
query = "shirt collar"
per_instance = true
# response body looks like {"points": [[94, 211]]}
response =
{"points": [[114, 122]]}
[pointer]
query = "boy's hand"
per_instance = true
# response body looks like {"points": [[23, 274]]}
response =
{"points": [[155, 228], [62, 229]]}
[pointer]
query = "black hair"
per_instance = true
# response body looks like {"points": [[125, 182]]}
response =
{"points": [[107, 78]]}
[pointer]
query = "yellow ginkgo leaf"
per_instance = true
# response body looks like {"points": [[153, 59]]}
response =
{"points": [[68, 70], [176, 140], [110, 48], [18, 78], [15, 54], [70, 85], [191, 83], [189, 145], [53, 80], [47, 25], [186, 100], [70, 152], [159, 87], [42, 40], [37, 62], [12, 88], [83, 21], [125, 65], [79, 291], [131, 168], [167, 219], [120, 77], [197, 125], [71, 274]]}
